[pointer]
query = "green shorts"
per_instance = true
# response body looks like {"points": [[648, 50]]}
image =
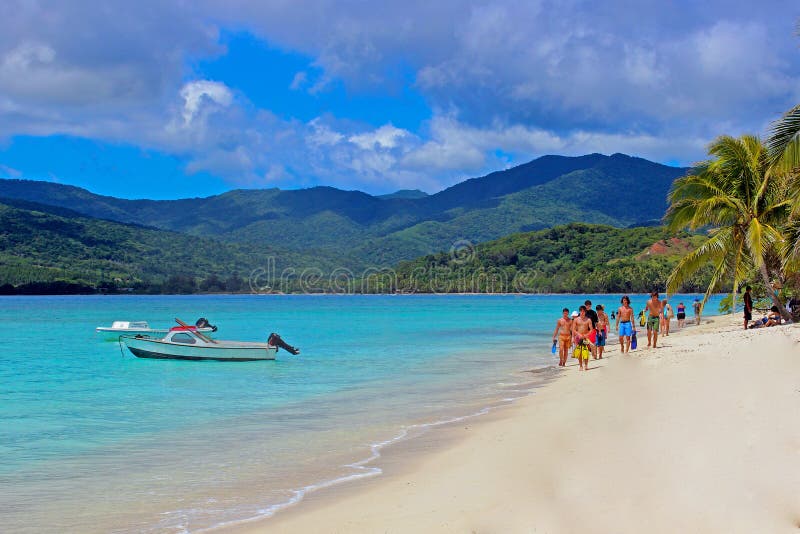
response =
{"points": [[652, 323]]}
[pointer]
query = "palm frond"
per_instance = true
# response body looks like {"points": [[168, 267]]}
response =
{"points": [[790, 251], [782, 143], [712, 251]]}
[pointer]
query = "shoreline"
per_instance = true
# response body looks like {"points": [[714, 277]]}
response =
{"points": [[426, 461], [386, 454]]}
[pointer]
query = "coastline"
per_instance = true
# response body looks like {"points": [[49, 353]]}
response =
{"points": [[637, 441]]}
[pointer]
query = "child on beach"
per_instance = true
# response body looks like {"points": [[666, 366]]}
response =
{"points": [[698, 309], [602, 330], [564, 332], [666, 316]]}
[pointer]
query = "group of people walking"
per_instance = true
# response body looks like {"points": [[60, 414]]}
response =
{"points": [[584, 332]]}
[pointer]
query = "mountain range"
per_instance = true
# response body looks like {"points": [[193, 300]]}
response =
{"points": [[354, 229]]}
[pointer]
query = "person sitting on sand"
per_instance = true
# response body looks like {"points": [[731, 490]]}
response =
{"points": [[654, 311], [564, 332], [584, 336], [625, 324], [774, 317], [681, 315], [602, 330]]}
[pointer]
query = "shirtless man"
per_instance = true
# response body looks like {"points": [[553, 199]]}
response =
{"points": [[584, 334], [625, 324], [653, 318], [564, 332], [602, 330]]}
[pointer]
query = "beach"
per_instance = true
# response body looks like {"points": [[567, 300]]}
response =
{"points": [[699, 435]]}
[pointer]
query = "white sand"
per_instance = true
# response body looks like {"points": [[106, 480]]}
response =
{"points": [[702, 435]]}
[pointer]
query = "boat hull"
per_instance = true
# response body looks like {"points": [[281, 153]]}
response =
{"points": [[222, 351]]}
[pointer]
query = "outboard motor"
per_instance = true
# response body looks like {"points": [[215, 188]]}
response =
{"points": [[202, 322], [276, 341]]}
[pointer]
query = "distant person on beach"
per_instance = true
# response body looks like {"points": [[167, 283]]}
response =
{"points": [[748, 307], [602, 330], [698, 309], [625, 324], [666, 316], [584, 336], [654, 311], [564, 332], [681, 315], [592, 316]]}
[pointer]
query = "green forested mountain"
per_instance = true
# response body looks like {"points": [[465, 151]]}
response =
{"points": [[47, 244], [570, 258], [362, 229], [41, 243]]}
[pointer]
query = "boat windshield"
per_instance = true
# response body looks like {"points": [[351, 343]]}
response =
{"points": [[182, 337]]}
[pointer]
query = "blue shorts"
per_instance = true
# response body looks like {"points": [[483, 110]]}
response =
{"points": [[625, 329], [601, 338]]}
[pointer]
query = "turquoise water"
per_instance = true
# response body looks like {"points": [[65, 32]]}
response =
{"points": [[93, 439]]}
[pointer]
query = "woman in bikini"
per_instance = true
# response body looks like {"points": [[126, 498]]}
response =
{"points": [[681, 315]]}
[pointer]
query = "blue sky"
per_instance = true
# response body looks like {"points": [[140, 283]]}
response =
{"points": [[167, 100]]}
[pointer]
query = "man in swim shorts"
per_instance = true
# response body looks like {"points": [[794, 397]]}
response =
{"points": [[584, 336], [748, 306], [625, 324], [653, 318], [564, 332]]}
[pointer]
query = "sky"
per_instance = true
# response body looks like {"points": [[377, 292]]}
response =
{"points": [[173, 99]]}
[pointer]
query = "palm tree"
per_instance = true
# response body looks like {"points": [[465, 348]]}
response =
{"points": [[783, 145], [736, 194]]}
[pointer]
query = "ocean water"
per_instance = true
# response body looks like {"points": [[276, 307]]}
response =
{"points": [[95, 440]]}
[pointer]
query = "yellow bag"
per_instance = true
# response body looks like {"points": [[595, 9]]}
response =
{"points": [[581, 350]]}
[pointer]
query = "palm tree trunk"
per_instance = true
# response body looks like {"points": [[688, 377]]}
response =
{"points": [[733, 296], [771, 292]]}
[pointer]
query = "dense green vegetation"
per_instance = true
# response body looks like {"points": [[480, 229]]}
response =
{"points": [[45, 245], [361, 229], [571, 258]]}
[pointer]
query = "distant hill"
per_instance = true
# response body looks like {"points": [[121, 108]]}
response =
{"points": [[405, 193], [361, 229], [40, 243], [574, 258]]}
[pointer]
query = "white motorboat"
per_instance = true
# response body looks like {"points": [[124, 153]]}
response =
{"points": [[143, 328], [188, 344]]}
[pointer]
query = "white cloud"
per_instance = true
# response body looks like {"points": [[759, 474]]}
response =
{"points": [[385, 137], [201, 93], [507, 81]]}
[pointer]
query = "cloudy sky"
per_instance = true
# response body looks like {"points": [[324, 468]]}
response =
{"points": [[167, 99]]}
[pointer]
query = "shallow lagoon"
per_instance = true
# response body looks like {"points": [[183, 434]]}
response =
{"points": [[93, 439]]}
